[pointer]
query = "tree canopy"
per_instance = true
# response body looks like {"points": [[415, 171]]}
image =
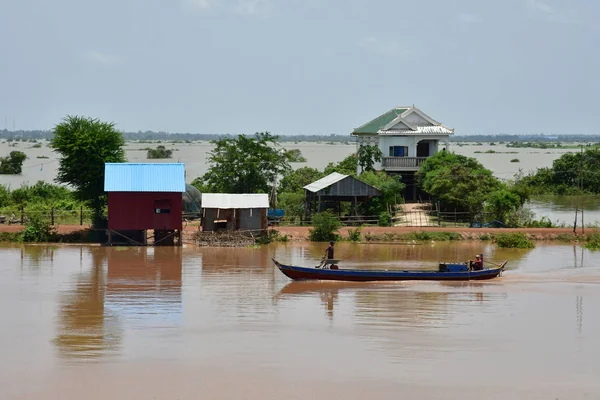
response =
{"points": [[367, 156], [463, 184], [13, 164], [160, 152], [571, 173], [244, 165], [85, 145], [347, 166], [391, 188], [295, 180]]}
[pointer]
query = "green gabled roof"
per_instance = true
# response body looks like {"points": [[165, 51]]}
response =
{"points": [[378, 123]]}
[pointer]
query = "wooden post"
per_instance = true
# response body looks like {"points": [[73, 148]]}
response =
{"points": [[109, 237], [22, 214], [81, 215], [52, 216]]}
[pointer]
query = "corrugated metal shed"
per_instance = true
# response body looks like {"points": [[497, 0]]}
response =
{"points": [[325, 182], [339, 185], [235, 200], [144, 177]]}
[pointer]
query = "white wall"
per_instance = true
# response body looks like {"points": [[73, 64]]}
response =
{"points": [[384, 143], [410, 141]]}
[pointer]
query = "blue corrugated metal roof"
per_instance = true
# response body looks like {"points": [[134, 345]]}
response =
{"points": [[144, 177]]}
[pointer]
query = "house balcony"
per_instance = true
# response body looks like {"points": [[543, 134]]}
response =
{"points": [[402, 163]]}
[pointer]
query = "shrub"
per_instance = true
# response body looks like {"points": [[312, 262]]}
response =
{"points": [[354, 235], [37, 230], [566, 237], [436, 236], [272, 236], [515, 160], [593, 242], [516, 240], [325, 227], [385, 219], [159, 152]]}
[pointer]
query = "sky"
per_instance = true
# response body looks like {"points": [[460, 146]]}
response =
{"points": [[301, 66]]}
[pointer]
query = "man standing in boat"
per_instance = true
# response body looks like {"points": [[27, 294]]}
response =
{"points": [[329, 254], [329, 251]]}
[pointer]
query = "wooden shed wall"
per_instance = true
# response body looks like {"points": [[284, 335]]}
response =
{"points": [[349, 186], [136, 210]]}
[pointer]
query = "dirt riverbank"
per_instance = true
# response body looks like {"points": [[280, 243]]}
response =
{"points": [[300, 233]]}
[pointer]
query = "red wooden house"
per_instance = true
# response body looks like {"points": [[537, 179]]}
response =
{"points": [[142, 197]]}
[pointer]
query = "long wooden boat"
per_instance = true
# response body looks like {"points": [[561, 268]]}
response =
{"points": [[446, 272]]}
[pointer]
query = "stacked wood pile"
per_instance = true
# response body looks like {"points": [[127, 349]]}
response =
{"points": [[224, 239]]}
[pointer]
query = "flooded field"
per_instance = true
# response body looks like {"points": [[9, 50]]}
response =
{"points": [[168, 323]]}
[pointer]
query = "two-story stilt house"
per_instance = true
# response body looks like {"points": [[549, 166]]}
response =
{"points": [[406, 136]]}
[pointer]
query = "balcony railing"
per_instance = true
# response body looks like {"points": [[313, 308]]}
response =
{"points": [[402, 163]]}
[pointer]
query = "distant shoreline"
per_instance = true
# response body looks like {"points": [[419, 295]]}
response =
{"points": [[337, 138]]}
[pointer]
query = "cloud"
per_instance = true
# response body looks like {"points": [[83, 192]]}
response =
{"points": [[101, 58], [253, 7], [468, 18], [540, 7], [243, 7], [198, 4], [382, 47], [550, 13]]}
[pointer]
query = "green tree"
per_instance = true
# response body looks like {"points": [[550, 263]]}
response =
{"points": [[501, 202], [292, 204], [295, 180], [347, 166], [326, 227], [295, 155], [245, 164], [445, 159], [367, 156], [85, 145], [461, 187], [160, 152], [391, 188], [571, 173], [13, 164], [5, 198]]}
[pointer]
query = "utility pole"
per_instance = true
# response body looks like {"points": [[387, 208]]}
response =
{"points": [[580, 186]]}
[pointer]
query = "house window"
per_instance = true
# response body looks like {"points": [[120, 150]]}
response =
{"points": [[398, 151], [162, 211]]}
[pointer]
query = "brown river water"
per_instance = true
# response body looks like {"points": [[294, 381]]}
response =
{"points": [[186, 323]]}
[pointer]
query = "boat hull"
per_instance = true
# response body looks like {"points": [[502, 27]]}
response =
{"points": [[304, 273]]}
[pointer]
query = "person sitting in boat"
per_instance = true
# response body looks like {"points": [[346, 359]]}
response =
{"points": [[478, 264]]}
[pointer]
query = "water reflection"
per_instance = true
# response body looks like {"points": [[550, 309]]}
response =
{"points": [[579, 313], [126, 288], [35, 255], [85, 329], [144, 285]]}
